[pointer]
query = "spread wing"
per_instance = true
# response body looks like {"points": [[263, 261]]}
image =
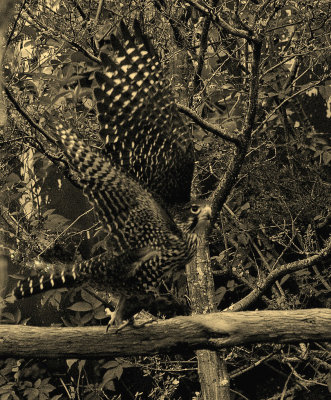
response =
{"points": [[145, 241], [127, 211], [140, 123]]}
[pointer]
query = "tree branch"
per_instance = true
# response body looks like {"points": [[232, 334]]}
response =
{"points": [[79, 9], [224, 187], [28, 118], [57, 160], [6, 11], [210, 13], [197, 81], [277, 273], [215, 331], [207, 125]]}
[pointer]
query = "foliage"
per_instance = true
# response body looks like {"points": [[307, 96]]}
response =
{"points": [[277, 212]]}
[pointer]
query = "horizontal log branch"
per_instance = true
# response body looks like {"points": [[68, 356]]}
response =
{"points": [[216, 330]]}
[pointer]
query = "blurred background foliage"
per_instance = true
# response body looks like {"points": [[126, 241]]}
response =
{"points": [[278, 210]]}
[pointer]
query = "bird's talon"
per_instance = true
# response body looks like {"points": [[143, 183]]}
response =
{"points": [[124, 324], [137, 324]]}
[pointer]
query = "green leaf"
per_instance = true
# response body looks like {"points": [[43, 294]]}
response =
{"points": [[29, 31], [109, 386], [81, 365], [111, 374], [78, 56], [100, 313], [110, 364], [70, 362], [86, 318], [46, 386], [37, 383], [80, 306], [48, 212], [31, 394], [88, 297]]}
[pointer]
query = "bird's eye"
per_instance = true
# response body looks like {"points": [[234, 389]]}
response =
{"points": [[195, 209]]}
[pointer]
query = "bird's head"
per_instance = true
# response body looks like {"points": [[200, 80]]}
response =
{"points": [[194, 217]]}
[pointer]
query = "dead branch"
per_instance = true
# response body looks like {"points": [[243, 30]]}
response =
{"points": [[210, 331]]}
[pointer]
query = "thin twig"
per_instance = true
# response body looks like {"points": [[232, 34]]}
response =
{"points": [[97, 15], [65, 230], [202, 51], [26, 116], [209, 12], [207, 125], [280, 272], [79, 9], [305, 89], [15, 23]]}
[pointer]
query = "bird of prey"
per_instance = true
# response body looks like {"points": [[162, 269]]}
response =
{"points": [[139, 184]]}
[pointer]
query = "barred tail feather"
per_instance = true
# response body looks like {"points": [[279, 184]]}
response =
{"points": [[57, 276], [44, 282], [102, 269], [50, 277]]}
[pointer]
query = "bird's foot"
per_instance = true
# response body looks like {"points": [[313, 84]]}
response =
{"points": [[112, 318], [136, 321], [116, 316], [143, 318]]}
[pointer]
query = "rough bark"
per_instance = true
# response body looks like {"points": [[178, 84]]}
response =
{"points": [[176, 335], [201, 290]]}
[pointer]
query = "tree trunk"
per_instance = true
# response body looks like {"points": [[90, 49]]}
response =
{"points": [[200, 281]]}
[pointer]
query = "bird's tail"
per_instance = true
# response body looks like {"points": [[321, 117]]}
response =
{"points": [[57, 276], [104, 270]]}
